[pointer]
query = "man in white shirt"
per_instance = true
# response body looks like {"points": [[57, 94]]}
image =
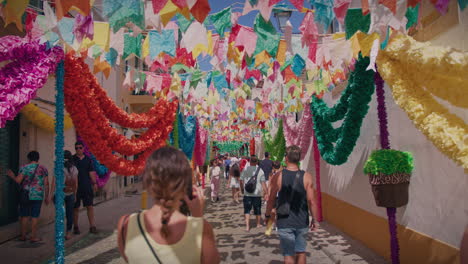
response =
{"points": [[254, 199]]}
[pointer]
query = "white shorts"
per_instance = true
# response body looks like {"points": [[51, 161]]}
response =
{"points": [[234, 183]]}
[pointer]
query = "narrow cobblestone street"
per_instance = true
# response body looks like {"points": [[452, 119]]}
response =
{"points": [[327, 245]]}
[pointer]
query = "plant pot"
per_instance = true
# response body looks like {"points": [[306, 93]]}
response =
{"points": [[390, 190], [391, 195]]}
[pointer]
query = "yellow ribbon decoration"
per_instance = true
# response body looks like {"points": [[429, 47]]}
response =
{"points": [[442, 71], [446, 131], [43, 120]]}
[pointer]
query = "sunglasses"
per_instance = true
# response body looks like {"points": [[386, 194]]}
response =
{"points": [[78, 148]]}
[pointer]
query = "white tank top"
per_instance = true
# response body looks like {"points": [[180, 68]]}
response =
{"points": [[187, 250]]}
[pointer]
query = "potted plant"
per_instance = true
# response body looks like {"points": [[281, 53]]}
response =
{"points": [[389, 175]]}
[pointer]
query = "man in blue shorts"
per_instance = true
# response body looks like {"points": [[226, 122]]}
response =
{"points": [[295, 200]]}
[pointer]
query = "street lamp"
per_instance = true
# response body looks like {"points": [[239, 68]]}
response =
{"points": [[282, 14]]}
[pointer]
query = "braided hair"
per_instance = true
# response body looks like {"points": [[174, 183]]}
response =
{"points": [[167, 176]]}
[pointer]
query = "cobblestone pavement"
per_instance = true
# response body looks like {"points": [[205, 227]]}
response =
{"points": [[327, 245]]}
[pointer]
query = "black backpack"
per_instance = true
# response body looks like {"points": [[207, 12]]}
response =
{"points": [[251, 185]]}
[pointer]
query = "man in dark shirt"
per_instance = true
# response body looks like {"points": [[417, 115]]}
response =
{"points": [[267, 166], [294, 203], [87, 185]]}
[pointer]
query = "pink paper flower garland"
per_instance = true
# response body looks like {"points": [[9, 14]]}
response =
{"points": [[29, 67], [201, 141], [299, 133]]}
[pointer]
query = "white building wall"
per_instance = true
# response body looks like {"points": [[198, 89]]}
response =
{"points": [[438, 204]]}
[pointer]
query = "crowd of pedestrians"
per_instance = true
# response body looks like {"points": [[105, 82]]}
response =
{"points": [[36, 189], [173, 229]]}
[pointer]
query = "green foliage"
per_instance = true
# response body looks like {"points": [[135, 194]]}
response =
{"points": [[277, 146], [389, 161]]}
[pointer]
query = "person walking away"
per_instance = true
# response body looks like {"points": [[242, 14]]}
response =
{"points": [[273, 177], [292, 220], [234, 182], [87, 186], [243, 163], [227, 165], [34, 182], [215, 178], [162, 234], [253, 199], [70, 173], [267, 166]]}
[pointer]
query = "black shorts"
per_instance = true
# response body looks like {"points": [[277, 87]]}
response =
{"points": [[255, 202], [86, 196]]}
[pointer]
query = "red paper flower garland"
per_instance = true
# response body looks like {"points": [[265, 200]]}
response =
{"points": [[91, 111]]}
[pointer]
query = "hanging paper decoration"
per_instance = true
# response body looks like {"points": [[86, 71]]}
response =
{"points": [[299, 133], [352, 108], [444, 129], [124, 11], [201, 141], [412, 14], [63, 6], [13, 11], [323, 12], [340, 8], [200, 10], [132, 45], [277, 146], [355, 21], [30, 64], [187, 132], [42, 120], [92, 111], [162, 42], [221, 21], [83, 27], [183, 22], [267, 37]]}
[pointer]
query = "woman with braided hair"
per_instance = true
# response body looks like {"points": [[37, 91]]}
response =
{"points": [[163, 234]]}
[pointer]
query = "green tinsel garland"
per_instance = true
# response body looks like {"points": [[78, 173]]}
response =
{"points": [[389, 161], [336, 145], [229, 146], [277, 146]]}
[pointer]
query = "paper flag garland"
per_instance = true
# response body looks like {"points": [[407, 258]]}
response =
{"points": [[267, 36], [162, 42], [355, 21], [221, 20]]}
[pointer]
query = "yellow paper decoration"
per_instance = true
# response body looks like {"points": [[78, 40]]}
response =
{"points": [[43, 120], [262, 57], [13, 11], [102, 35], [446, 131], [145, 48], [443, 71]]}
